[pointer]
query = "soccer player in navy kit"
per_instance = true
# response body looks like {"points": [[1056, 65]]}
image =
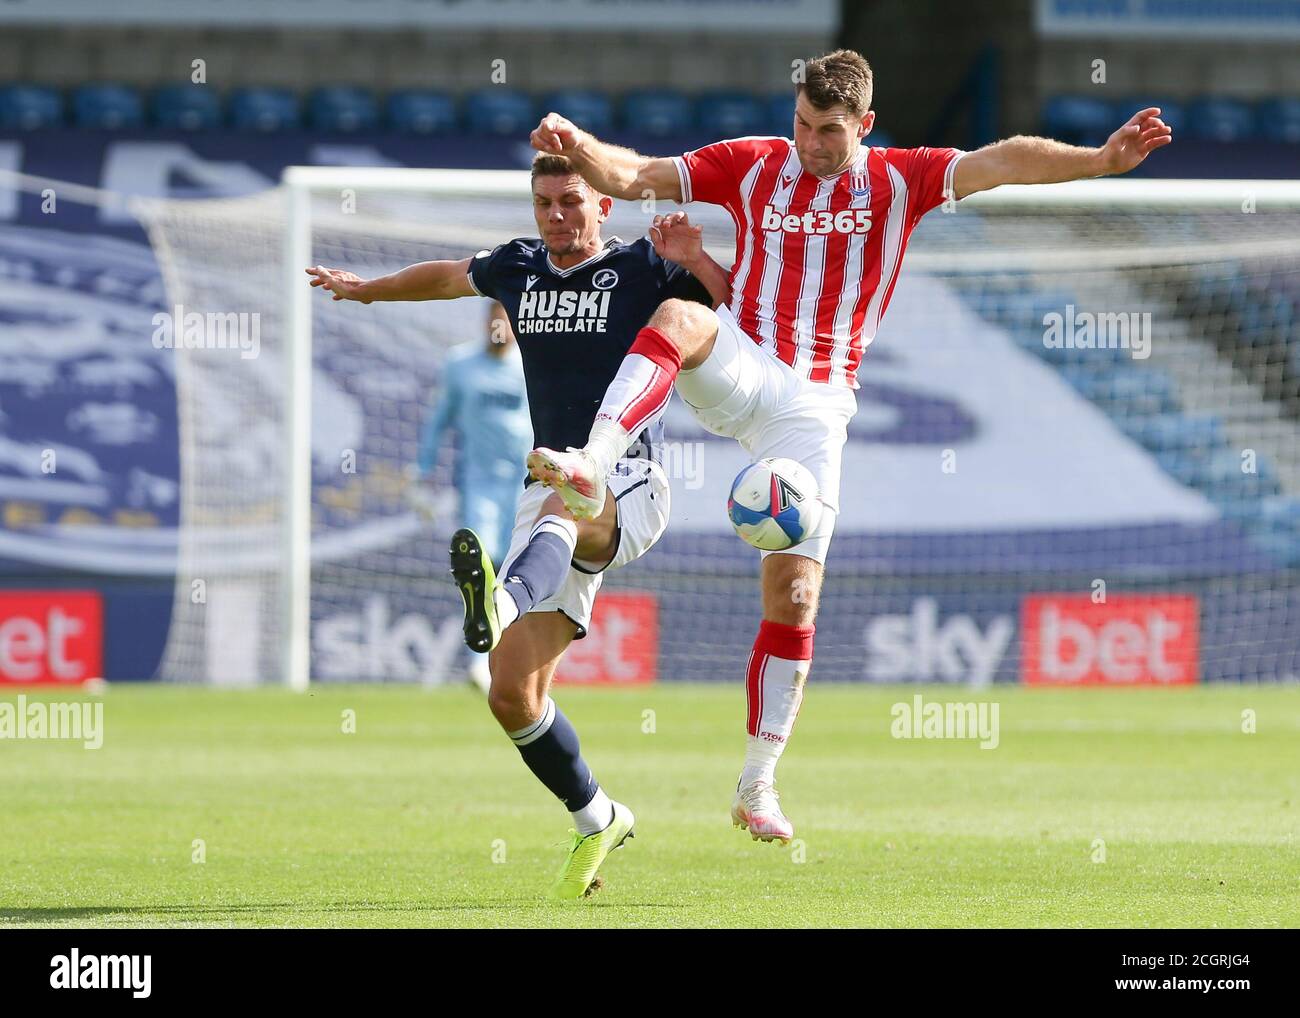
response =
{"points": [[574, 301]]}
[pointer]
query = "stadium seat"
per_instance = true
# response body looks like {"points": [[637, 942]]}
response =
{"points": [[1221, 477], [1121, 391], [779, 114], [879, 138], [418, 111], [1172, 112], [657, 112], [264, 109], [729, 114], [107, 107], [342, 109], [592, 111], [1080, 120], [1283, 547], [1176, 433], [1281, 514], [28, 107], [187, 107], [1279, 120], [1217, 118], [499, 111]]}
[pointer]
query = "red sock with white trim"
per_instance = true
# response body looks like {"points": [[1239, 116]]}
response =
{"points": [[778, 669], [636, 398]]}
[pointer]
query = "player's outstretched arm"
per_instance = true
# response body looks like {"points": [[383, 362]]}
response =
{"points": [[610, 169], [421, 281], [1023, 160]]}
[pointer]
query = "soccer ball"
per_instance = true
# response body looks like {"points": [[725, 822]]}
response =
{"points": [[774, 504]]}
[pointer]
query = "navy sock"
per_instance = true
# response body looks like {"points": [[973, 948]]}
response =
{"points": [[550, 748], [540, 569]]}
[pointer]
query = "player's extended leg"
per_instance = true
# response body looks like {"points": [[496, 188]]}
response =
{"points": [[531, 576], [678, 338], [774, 685], [523, 665]]}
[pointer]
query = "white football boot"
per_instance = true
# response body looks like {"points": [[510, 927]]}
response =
{"points": [[573, 475], [755, 809]]}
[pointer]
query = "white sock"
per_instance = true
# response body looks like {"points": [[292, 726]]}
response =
{"points": [[606, 445], [507, 610], [760, 761], [595, 816]]}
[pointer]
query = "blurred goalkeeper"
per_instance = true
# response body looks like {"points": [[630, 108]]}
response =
{"points": [[484, 404]]}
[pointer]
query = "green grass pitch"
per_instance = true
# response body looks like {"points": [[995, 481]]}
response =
{"points": [[426, 816]]}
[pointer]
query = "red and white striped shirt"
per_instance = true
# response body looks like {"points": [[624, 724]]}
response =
{"points": [[816, 257]]}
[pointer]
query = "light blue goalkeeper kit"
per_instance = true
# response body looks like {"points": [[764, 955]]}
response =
{"points": [[483, 401]]}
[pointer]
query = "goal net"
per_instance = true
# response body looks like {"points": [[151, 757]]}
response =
{"points": [[1076, 457]]}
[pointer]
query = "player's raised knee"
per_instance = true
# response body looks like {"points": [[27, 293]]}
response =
{"points": [[689, 326]]}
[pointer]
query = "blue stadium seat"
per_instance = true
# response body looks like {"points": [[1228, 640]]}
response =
{"points": [[1218, 118], [187, 107], [1121, 391], [418, 111], [27, 107], [1280, 514], [499, 111], [1078, 119], [592, 111], [1176, 433], [779, 115], [1283, 547], [107, 107], [880, 138], [264, 109], [342, 109], [1172, 112], [1265, 318], [729, 114], [1221, 477], [1279, 120], [657, 112]]}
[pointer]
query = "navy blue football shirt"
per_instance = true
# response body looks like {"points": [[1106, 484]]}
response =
{"points": [[575, 325]]}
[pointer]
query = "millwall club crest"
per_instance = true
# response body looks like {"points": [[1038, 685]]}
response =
{"points": [[860, 182]]}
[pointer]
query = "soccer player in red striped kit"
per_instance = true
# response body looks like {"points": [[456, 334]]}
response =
{"points": [[822, 221]]}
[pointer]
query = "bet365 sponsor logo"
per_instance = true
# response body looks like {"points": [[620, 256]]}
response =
{"points": [[1129, 639], [817, 221]]}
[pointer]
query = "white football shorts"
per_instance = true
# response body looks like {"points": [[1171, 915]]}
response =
{"points": [[744, 392], [640, 488]]}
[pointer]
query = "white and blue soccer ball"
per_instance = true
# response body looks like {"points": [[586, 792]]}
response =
{"points": [[774, 504]]}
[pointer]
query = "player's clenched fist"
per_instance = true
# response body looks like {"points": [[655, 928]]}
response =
{"points": [[555, 134], [342, 284]]}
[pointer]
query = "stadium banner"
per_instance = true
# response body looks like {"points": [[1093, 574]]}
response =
{"points": [[804, 16], [621, 647], [50, 637], [1124, 639], [1272, 21]]}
